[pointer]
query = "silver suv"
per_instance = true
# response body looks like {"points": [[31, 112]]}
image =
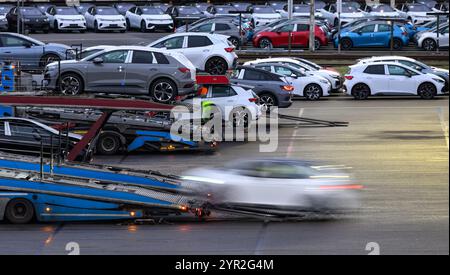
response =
{"points": [[125, 70]]}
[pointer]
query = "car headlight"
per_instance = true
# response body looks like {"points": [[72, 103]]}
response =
{"points": [[45, 20], [438, 80], [324, 81]]}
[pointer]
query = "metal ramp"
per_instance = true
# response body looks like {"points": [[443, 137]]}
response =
{"points": [[305, 121]]}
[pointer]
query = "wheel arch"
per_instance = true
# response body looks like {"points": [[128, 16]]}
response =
{"points": [[363, 83]]}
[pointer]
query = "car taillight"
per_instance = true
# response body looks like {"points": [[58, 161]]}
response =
{"points": [[348, 77], [184, 70], [287, 88], [229, 49], [253, 99]]}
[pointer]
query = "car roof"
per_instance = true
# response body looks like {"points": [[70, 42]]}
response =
{"points": [[396, 57]]}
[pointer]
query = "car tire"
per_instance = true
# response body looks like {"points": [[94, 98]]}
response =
{"points": [[336, 22], [55, 26], [96, 27], [429, 44], [427, 90], [268, 100], [163, 90], [128, 24], [46, 31], [312, 92], [216, 66], [71, 84], [397, 44], [361, 91], [346, 43], [316, 44], [265, 43], [240, 117], [235, 41], [19, 211], [143, 26], [108, 144], [47, 59]]}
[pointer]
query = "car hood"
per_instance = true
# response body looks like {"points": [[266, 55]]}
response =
{"points": [[387, 14], [307, 14], [157, 17], [417, 14], [444, 71], [70, 17], [352, 15], [109, 17], [57, 46], [267, 15]]}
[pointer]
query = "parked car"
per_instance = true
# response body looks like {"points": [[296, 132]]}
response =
{"points": [[391, 78], [125, 70], [305, 66], [31, 17], [373, 34], [122, 8], [382, 10], [442, 25], [415, 12], [300, 10], [24, 136], [412, 63], [236, 104], [270, 26], [212, 53], [331, 17], [104, 18], [65, 19], [263, 15], [441, 7], [279, 37], [31, 53], [4, 10], [224, 27], [272, 89], [178, 14], [148, 18], [311, 87], [282, 188], [429, 40], [350, 11]]}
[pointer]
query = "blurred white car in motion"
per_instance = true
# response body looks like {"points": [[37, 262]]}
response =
{"points": [[275, 187]]}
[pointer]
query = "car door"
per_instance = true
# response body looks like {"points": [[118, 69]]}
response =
{"points": [[135, 17], [19, 49], [382, 36], [208, 27], [280, 37], [364, 36], [401, 80], [443, 38], [197, 49], [223, 96], [108, 75], [375, 76], [23, 136], [141, 68], [89, 16], [50, 13], [301, 35]]}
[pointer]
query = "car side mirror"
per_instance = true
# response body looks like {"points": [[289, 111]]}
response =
{"points": [[360, 32], [28, 45], [98, 60], [36, 135], [408, 74]]}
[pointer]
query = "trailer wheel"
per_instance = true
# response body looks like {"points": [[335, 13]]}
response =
{"points": [[108, 144], [19, 211]]}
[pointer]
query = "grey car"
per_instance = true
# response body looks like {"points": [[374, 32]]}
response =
{"points": [[31, 53], [272, 89], [224, 27], [125, 70]]}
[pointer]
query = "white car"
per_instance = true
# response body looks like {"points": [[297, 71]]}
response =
{"points": [[391, 78], [428, 40], [65, 19], [351, 11], [212, 53], [236, 104], [332, 76], [382, 10], [105, 19], [275, 187], [310, 86], [263, 15], [302, 10], [416, 13], [148, 18]]}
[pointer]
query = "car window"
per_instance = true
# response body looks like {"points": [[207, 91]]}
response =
{"points": [[367, 29], [2, 128], [265, 68], [198, 41], [161, 58], [22, 129], [411, 64], [173, 43], [374, 69], [89, 52], [384, 28], [445, 31], [286, 28], [114, 57], [283, 71], [222, 27], [396, 70], [142, 57], [12, 41], [222, 91], [302, 27], [253, 75], [204, 28]]}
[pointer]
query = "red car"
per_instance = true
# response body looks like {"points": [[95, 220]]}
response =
{"points": [[279, 37]]}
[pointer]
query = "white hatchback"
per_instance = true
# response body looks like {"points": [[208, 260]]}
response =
{"points": [[391, 78], [65, 19], [105, 19], [148, 18], [212, 53]]}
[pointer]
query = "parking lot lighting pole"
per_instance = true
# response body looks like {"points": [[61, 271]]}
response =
{"points": [[312, 25], [290, 8]]}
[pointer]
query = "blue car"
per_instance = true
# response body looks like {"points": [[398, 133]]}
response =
{"points": [[373, 34]]}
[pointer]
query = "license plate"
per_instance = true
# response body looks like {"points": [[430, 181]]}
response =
{"points": [[113, 25], [73, 25]]}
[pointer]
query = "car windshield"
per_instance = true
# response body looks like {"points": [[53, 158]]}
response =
{"points": [[263, 10], [30, 11], [320, 5], [87, 53], [4, 10], [157, 11], [382, 8], [66, 11], [188, 10], [349, 8], [418, 8], [301, 9], [225, 10], [107, 11]]}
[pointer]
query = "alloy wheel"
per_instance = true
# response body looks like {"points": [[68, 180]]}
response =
{"points": [[70, 85], [163, 92], [312, 92]]}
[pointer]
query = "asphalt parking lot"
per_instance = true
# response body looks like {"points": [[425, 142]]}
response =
{"points": [[397, 148]]}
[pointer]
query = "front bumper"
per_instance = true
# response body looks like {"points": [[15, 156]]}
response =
{"points": [[155, 26], [71, 25], [115, 25], [3, 25], [37, 26]]}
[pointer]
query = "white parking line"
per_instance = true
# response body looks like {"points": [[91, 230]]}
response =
{"points": [[290, 148], [444, 125]]}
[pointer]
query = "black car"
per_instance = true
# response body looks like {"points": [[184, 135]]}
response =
{"points": [[31, 17], [4, 9], [24, 136], [178, 14]]}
